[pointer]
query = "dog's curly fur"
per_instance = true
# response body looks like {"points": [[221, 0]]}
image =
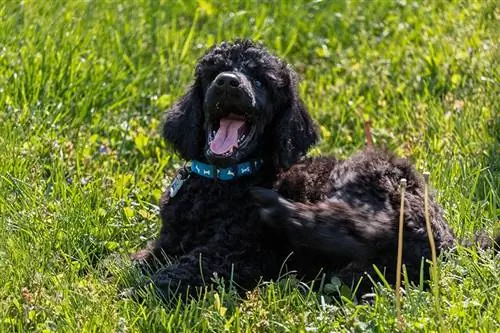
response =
{"points": [[340, 217]]}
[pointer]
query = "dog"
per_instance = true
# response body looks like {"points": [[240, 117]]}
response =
{"points": [[252, 205]]}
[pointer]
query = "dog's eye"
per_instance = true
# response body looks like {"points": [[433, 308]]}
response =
{"points": [[258, 84]]}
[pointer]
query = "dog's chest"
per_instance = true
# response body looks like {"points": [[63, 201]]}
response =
{"points": [[202, 211]]}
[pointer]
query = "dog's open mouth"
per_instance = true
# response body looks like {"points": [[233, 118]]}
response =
{"points": [[233, 132]]}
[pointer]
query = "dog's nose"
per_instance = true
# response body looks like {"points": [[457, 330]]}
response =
{"points": [[227, 80]]}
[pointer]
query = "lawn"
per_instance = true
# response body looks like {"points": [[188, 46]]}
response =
{"points": [[84, 84]]}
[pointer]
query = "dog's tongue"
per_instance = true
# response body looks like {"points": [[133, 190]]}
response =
{"points": [[227, 136]]}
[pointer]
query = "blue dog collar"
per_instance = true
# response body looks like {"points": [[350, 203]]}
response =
{"points": [[236, 171]]}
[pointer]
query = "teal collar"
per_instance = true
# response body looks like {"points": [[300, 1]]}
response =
{"points": [[233, 172]]}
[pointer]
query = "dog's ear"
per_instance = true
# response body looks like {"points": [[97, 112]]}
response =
{"points": [[296, 131], [183, 124]]}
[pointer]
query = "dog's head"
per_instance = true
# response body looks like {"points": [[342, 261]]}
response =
{"points": [[243, 104]]}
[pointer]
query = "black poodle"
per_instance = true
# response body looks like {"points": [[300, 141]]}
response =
{"points": [[251, 206]]}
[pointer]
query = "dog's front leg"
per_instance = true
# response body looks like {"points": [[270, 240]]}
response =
{"points": [[180, 279], [199, 268]]}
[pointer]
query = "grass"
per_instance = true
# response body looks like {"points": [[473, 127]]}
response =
{"points": [[83, 85]]}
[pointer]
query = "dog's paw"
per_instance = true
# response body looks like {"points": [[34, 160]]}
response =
{"points": [[153, 290], [273, 208]]}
